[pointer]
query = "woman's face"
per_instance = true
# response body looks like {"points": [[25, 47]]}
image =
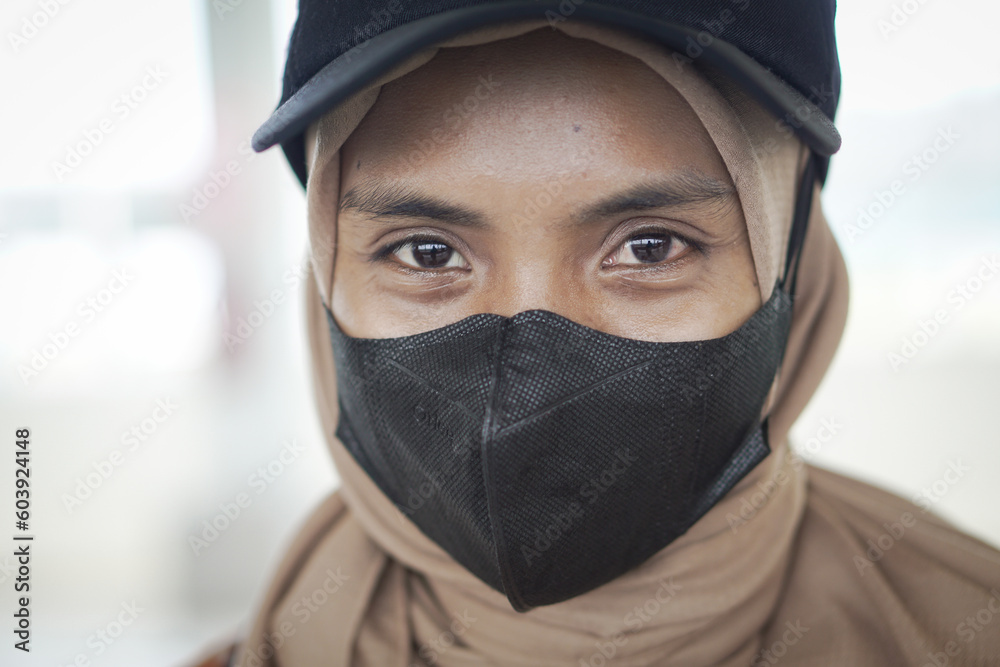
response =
{"points": [[546, 172]]}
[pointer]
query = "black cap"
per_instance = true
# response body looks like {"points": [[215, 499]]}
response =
{"points": [[782, 52]]}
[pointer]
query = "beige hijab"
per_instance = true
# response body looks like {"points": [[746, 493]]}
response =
{"points": [[770, 574]]}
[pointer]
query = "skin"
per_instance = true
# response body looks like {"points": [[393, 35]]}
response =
{"points": [[567, 123]]}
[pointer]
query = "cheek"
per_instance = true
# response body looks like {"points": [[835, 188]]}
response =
{"points": [[343, 302], [354, 303], [731, 293]]}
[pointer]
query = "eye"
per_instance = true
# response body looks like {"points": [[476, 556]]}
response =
{"points": [[427, 254], [648, 248]]}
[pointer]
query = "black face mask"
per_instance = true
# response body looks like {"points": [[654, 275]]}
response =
{"points": [[547, 457]]}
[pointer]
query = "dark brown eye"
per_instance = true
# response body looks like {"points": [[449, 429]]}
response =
{"points": [[431, 255], [650, 248], [428, 254]]}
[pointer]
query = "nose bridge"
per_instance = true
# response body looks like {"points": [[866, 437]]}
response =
{"points": [[531, 286]]}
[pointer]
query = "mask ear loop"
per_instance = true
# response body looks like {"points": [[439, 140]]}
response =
{"points": [[800, 221], [796, 239]]}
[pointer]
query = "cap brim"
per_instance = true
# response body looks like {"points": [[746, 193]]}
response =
{"points": [[353, 70]]}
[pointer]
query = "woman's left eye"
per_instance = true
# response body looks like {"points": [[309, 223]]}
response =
{"points": [[648, 248], [428, 254]]}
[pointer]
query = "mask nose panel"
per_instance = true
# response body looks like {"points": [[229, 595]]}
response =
{"points": [[584, 434]]}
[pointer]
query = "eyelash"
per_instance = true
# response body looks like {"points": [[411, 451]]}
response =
{"points": [[385, 253]]}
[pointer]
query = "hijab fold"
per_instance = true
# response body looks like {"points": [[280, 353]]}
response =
{"points": [[768, 573]]}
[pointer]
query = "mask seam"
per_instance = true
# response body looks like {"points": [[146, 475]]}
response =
{"points": [[487, 433], [700, 449], [582, 392]]}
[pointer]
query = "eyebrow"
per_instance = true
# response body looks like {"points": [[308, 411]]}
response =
{"points": [[387, 199]]}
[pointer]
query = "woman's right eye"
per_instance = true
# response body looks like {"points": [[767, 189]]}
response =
{"points": [[428, 254]]}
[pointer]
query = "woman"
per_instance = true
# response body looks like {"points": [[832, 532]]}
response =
{"points": [[617, 215]]}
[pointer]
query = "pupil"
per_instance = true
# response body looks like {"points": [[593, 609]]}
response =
{"points": [[430, 254], [649, 249]]}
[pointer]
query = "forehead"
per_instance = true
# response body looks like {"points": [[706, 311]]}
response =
{"points": [[525, 106]]}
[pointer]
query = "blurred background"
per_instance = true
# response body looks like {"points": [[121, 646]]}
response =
{"points": [[152, 339]]}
